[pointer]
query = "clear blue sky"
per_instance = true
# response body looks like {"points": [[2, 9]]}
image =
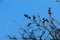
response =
{"points": [[16, 9]]}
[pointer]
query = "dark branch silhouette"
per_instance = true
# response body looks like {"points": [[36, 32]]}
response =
{"points": [[40, 27]]}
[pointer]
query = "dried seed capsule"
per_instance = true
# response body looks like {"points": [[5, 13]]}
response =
{"points": [[34, 17], [27, 16], [29, 24], [49, 11]]}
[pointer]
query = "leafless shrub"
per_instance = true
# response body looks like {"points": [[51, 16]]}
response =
{"points": [[30, 33]]}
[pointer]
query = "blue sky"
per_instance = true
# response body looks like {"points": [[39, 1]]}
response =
{"points": [[16, 8]]}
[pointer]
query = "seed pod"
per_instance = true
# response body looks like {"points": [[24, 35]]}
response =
{"points": [[34, 17], [43, 20], [47, 20], [58, 29], [29, 24], [27, 16], [37, 25], [49, 11]]}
